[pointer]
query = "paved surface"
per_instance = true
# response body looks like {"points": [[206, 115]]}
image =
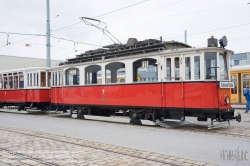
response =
{"points": [[44, 148], [193, 142]]}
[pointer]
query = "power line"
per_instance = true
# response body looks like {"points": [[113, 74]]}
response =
{"points": [[211, 30], [124, 19], [121, 9], [100, 15], [150, 11], [182, 13], [26, 34], [71, 9]]}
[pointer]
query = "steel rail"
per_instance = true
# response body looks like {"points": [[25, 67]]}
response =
{"points": [[93, 147], [28, 157]]}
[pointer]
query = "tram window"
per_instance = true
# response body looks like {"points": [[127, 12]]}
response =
{"points": [[144, 68], [49, 79], [122, 80], [5, 83], [187, 68], [28, 83], [21, 84], [245, 81], [1, 82], [55, 78], [168, 63], [210, 66], [59, 78], [34, 79], [223, 67], [30, 79], [43, 79], [37, 79], [72, 76], [113, 70], [10, 82], [15, 82], [234, 79], [196, 67], [177, 68]]}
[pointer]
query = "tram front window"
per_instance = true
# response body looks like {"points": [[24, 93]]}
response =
{"points": [[223, 67], [210, 66]]}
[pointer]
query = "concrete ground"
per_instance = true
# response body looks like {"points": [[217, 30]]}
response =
{"points": [[193, 142]]}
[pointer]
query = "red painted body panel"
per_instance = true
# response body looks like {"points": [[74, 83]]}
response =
{"points": [[1, 96], [38, 95], [110, 95], [12, 96], [171, 95], [22, 95]]}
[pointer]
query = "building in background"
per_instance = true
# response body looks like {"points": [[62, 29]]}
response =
{"points": [[12, 62], [240, 59]]}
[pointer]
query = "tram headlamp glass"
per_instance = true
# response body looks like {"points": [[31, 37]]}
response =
{"points": [[227, 100]]}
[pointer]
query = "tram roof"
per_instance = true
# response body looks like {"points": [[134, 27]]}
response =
{"points": [[24, 69], [135, 48], [238, 68]]}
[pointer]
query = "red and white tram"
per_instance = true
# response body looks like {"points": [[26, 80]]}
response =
{"points": [[186, 81], [27, 87]]}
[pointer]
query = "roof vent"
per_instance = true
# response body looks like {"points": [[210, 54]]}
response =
{"points": [[212, 42], [131, 42]]}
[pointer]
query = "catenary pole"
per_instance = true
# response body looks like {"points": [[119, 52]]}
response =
{"points": [[48, 60], [185, 36]]}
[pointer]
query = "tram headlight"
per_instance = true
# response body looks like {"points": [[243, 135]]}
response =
{"points": [[226, 100]]}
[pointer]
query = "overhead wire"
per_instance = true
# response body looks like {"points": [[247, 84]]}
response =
{"points": [[26, 34], [210, 31], [120, 9], [71, 9], [125, 19], [151, 11], [172, 15], [100, 15]]}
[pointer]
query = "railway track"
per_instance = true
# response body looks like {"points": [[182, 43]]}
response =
{"points": [[77, 144], [27, 157]]}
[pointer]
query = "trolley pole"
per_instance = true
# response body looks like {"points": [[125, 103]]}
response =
{"points": [[185, 36], [48, 60]]}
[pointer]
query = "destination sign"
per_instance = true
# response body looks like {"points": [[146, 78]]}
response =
{"points": [[226, 84]]}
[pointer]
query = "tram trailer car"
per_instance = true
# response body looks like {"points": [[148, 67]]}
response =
{"points": [[240, 77], [186, 81], [26, 87]]}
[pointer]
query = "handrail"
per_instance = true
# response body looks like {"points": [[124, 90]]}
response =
{"points": [[162, 89]]}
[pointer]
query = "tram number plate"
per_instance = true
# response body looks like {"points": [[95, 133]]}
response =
{"points": [[226, 84]]}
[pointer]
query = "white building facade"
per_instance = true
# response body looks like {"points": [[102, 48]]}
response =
{"points": [[13, 62]]}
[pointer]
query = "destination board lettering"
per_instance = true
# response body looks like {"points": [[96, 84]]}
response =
{"points": [[226, 84]]}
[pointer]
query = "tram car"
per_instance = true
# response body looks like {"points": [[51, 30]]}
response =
{"points": [[25, 87], [240, 77], [184, 81]]}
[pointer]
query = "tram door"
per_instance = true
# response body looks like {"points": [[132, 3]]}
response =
{"points": [[173, 90], [235, 95], [57, 83], [244, 85]]}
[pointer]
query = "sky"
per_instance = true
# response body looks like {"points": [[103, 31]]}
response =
{"points": [[141, 19]]}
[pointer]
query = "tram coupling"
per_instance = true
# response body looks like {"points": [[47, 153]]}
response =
{"points": [[238, 117]]}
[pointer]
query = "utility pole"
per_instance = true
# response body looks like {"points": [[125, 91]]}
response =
{"points": [[185, 36], [48, 60]]}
